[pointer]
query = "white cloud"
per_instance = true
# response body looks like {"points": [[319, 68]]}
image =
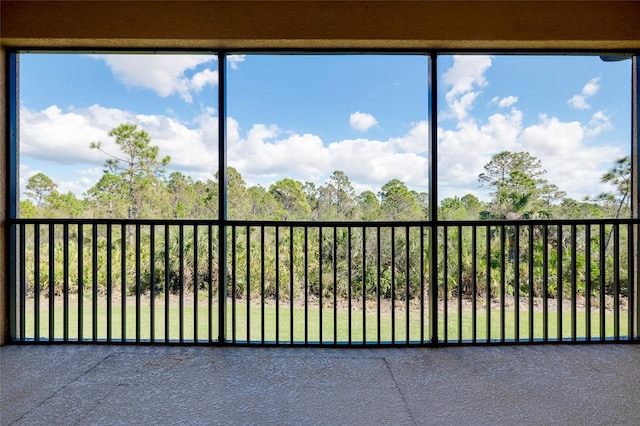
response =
{"points": [[262, 154], [466, 73], [507, 101], [72, 180], [465, 76], [266, 153], [204, 78], [592, 87], [464, 151], [564, 147], [376, 162], [165, 74], [415, 141], [86, 178], [234, 60], [553, 138], [64, 137], [24, 174], [598, 123], [579, 102], [362, 121], [588, 90], [460, 106], [571, 162]]}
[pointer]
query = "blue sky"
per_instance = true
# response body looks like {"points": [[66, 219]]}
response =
{"points": [[304, 116]]}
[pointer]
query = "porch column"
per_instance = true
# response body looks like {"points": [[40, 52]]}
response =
{"points": [[635, 194], [4, 288]]}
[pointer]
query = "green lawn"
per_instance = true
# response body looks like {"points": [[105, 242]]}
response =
{"points": [[206, 323]]}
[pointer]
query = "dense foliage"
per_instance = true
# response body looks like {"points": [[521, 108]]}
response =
{"points": [[346, 261]]}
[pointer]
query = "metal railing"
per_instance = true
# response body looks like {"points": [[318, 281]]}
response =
{"points": [[324, 283]]}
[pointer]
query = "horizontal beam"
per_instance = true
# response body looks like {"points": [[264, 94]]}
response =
{"points": [[599, 25]]}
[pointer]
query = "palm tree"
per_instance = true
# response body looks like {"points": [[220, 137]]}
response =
{"points": [[514, 205]]}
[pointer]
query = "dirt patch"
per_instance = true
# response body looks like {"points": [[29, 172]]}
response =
{"points": [[372, 305]]}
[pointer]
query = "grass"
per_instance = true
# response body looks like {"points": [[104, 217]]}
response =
{"points": [[196, 321]]}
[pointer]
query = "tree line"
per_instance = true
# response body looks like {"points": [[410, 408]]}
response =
{"points": [[340, 262], [136, 184]]}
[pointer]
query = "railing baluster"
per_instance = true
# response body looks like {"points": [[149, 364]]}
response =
{"points": [[109, 282], [36, 281], [587, 242], [516, 283], [152, 283], [334, 262], [138, 288], [474, 284], [378, 284], [80, 240], [181, 282], [320, 274], [616, 281], [559, 282], [52, 278], [393, 285], [531, 284], [196, 282], [277, 258], [167, 282], [210, 317], [488, 289], [406, 285], [123, 277], [23, 280], [291, 285], [445, 282], [459, 284], [94, 282], [262, 285], [602, 266], [248, 256], [233, 284], [434, 338], [574, 281], [545, 282], [503, 267], [349, 293], [306, 285], [65, 281], [422, 339], [631, 268], [364, 285]]}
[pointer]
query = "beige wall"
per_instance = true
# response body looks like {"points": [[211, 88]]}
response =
{"points": [[555, 25]]}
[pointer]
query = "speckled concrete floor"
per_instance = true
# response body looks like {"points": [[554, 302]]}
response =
{"points": [[555, 384]]}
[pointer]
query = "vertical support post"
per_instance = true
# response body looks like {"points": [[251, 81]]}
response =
{"points": [[433, 197], [635, 197], [12, 188], [222, 197]]}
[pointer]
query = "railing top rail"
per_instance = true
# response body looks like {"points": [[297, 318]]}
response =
{"points": [[327, 224]]}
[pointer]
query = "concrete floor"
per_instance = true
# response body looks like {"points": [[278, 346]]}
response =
{"points": [[553, 384]]}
